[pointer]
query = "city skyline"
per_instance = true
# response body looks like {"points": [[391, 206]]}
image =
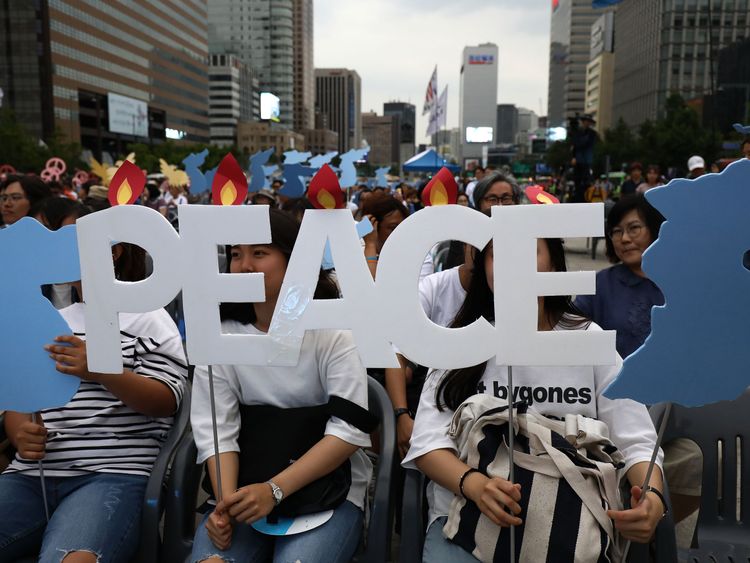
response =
{"points": [[435, 32]]}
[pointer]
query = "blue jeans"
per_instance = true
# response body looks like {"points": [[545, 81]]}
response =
{"points": [[439, 549], [333, 542], [97, 512]]}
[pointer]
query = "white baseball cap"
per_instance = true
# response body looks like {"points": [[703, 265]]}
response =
{"points": [[696, 162]]}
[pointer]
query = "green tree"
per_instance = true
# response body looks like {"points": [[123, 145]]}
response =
{"points": [[670, 141], [620, 144], [17, 147]]}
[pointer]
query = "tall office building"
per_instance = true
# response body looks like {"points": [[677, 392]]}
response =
{"points": [[477, 115], [507, 124], [570, 45], [106, 75], [261, 33], [338, 96], [304, 72], [666, 46], [600, 72], [407, 114], [382, 135], [232, 97]]}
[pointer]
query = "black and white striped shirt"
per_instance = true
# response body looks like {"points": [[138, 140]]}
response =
{"points": [[96, 431]]}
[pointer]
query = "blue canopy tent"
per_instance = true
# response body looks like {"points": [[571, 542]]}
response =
{"points": [[428, 161]]}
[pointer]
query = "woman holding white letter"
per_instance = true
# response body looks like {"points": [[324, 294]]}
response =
{"points": [[550, 391]]}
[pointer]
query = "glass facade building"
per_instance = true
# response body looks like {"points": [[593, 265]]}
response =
{"points": [[666, 46], [570, 44], [61, 59], [261, 34], [338, 96]]}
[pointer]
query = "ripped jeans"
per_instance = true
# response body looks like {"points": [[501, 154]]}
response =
{"points": [[333, 542], [96, 512]]}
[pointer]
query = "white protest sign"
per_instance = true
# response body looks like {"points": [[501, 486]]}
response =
{"points": [[518, 285], [105, 296], [359, 309], [203, 228], [377, 313], [418, 338]]}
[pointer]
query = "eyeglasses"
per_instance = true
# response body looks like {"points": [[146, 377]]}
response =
{"points": [[634, 230], [504, 199], [15, 198]]}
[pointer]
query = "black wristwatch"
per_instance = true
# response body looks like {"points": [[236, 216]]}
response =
{"points": [[399, 412]]}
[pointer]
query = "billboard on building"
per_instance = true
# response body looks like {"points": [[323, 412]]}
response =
{"points": [[127, 115], [270, 107], [479, 134]]}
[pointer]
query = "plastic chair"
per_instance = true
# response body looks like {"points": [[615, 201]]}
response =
{"points": [[721, 535], [413, 517], [377, 543], [182, 496], [150, 542]]}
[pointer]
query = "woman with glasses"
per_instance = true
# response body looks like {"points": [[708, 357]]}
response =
{"points": [[21, 196], [623, 301], [624, 294]]}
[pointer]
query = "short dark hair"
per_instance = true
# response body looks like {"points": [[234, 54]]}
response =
{"points": [[745, 141], [625, 205], [55, 210], [35, 189], [381, 204]]}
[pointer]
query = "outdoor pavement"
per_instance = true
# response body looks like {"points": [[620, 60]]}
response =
{"points": [[578, 253]]}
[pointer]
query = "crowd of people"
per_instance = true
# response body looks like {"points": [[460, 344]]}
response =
{"points": [[98, 449]]}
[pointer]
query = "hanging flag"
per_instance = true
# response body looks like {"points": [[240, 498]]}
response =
{"points": [[442, 109], [429, 98], [438, 114]]}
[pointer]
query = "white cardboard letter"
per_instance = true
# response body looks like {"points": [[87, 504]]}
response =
{"points": [[105, 296], [357, 310], [418, 338], [517, 286], [202, 229]]}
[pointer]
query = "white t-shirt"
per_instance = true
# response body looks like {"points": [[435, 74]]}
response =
{"points": [[470, 191], [96, 431], [428, 267], [328, 365], [442, 295], [553, 391]]}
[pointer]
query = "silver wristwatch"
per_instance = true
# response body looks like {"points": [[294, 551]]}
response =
{"points": [[278, 494]]}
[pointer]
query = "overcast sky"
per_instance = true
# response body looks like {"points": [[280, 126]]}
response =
{"points": [[395, 44]]}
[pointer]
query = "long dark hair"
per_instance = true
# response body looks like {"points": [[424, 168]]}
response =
{"points": [[284, 231], [457, 385]]}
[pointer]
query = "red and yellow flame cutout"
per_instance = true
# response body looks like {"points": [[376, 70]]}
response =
{"points": [[230, 184], [126, 185], [536, 194], [441, 190], [324, 191]]}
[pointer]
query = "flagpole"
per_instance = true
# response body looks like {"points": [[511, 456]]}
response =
{"points": [[41, 477], [217, 462], [652, 463]]}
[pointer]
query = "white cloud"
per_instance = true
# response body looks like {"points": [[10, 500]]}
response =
{"points": [[395, 44]]}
